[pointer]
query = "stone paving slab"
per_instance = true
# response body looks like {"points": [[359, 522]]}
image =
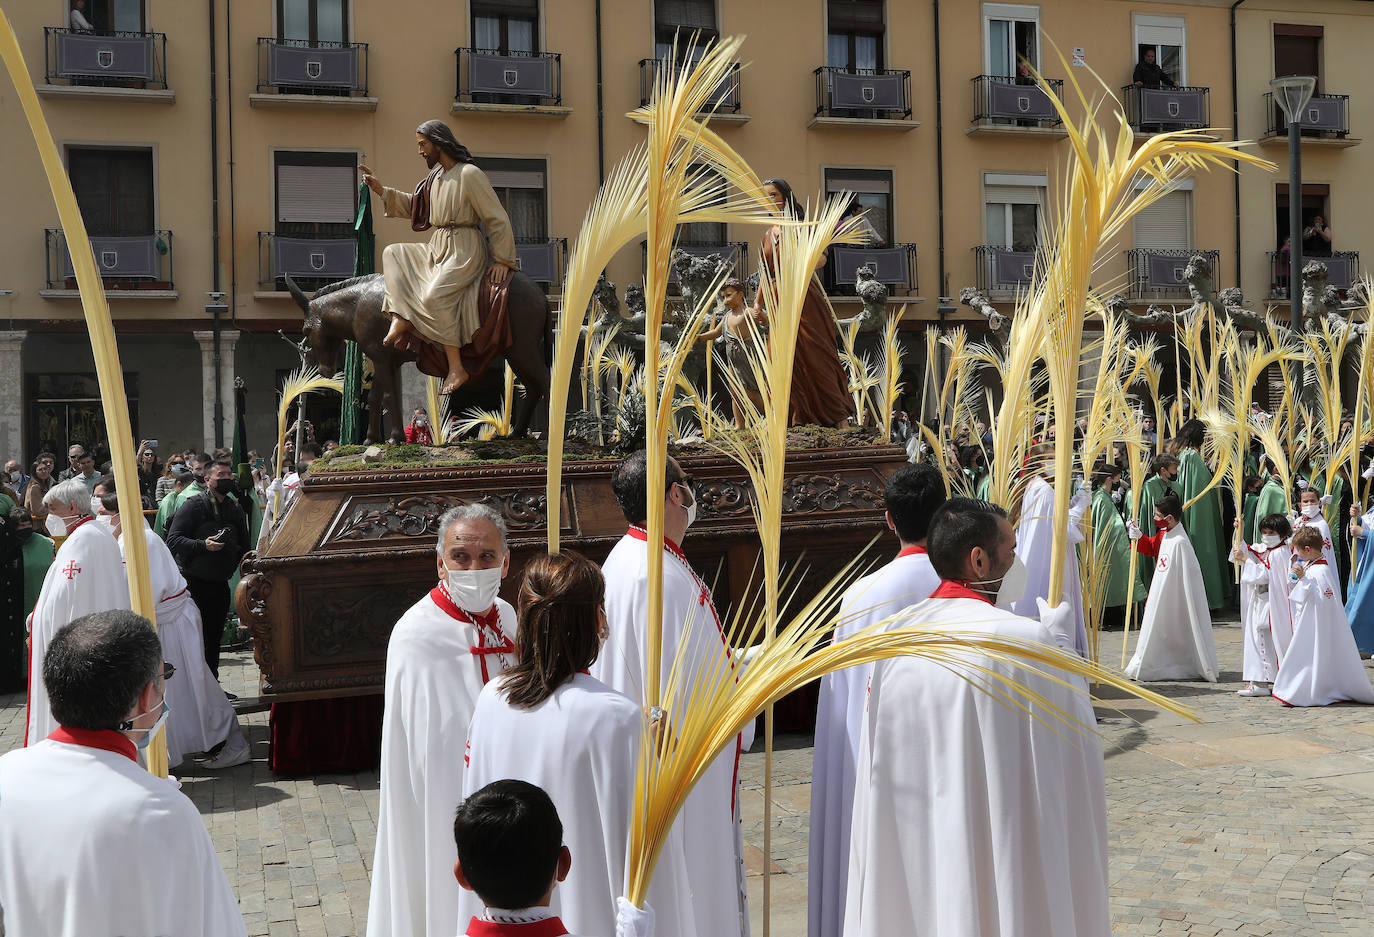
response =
{"points": [[1259, 821]]}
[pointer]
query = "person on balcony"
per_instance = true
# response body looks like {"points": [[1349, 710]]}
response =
{"points": [[1316, 238], [1149, 75], [77, 18], [432, 288]]}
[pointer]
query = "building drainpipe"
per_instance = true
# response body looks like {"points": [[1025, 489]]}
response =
{"points": [[943, 306], [229, 116], [1235, 131], [600, 107], [214, 224]]}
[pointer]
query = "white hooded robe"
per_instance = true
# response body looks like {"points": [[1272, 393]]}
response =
{"points": [[971, 818], [905, 581], [1175, 640], [87, 575], [1034, 543], [434, 674], [1264, 612], [1322, 664]]}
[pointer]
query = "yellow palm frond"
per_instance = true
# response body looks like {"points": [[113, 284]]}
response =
{"points": [[437, 410], [891, 388]]}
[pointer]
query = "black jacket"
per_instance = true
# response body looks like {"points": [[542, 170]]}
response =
{"points": [[1150, 75], [199, 518]]}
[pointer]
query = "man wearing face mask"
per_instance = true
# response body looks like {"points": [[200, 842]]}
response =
{"points": [[186, 490], [959, 796], [91, 843], [87, 575], [445, 648], [1175, 640], [709, 820], [208, 536], [1035, 543], [38, 553]]}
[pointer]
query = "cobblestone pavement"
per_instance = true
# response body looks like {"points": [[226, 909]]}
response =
{"points": [[1259, 820]]}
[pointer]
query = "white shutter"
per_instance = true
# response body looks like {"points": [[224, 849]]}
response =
{"points": [[1165, 224], [315, 193], [1014, 195], [515, 179]]}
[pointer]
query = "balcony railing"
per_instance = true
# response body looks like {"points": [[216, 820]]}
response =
{"points": [[489, 76], [1150, 110], [1326, 115], [723, 100], [893, 265], [1006, 102], [1158, 273], [543, 260], [124, 263], [299, 66], [1342, 271], [1003, 270], [311, 261], [108, 59], [734, 253], [863, 93]]}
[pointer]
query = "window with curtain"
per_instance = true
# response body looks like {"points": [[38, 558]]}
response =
{"points": [[680, 19], [872, 190], [1012, 206], [115, 15], [316, 194], [312, 20], [522, 187], [1010, 34], [1166, 224], [506, 25], [114, 190], [854, 34]]}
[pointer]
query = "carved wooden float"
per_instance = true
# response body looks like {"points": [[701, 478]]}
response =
{"points": [[356, 548]]}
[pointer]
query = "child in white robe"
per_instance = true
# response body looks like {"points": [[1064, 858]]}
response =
{"points": [[1310, 515], [512, 857], [1264, 612], [1322, 664]]}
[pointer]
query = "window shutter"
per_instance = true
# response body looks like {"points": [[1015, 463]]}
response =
{"points": [[1015, 195], [515, 179], [865, 16], [524, 9], [322, 194], [842, 180], [1164, 224], [691, 14]]}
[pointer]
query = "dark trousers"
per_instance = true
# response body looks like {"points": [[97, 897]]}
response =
{"points": [[212, 598]]}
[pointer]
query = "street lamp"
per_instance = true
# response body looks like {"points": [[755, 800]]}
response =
{"points": [[1293, 92]]}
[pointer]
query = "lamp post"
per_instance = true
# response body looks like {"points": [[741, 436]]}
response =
{"points": [[1293, 92]]}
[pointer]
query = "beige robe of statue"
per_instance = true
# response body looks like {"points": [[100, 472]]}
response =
{"points": [[434, 285]]}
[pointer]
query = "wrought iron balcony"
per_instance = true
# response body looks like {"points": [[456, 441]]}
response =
{"points": [[1007, 102], [108, 59], [311, 261], [1342, 271], [723, 100], [1151, 110], [299, 66], [1326, 115], [489, 76], [1157, 273], [124, 263], [1003, 270], [543, 260], [863, 93], [893, 265]]}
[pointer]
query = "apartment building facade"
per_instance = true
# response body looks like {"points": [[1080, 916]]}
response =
{"points": [[213, 148]]}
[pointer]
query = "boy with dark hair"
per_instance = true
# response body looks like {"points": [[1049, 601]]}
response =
{"points": [[511, 854], [1176, 640]]}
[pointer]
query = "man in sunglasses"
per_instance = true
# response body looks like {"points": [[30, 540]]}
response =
{"points": [[91, 843]]}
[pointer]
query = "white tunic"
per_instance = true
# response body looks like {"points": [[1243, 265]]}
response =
{"points": [[1264, 611], [906, 580], [581, 745], [92, 844], [433, 677], [971, 818], [1322, 664], [87, 575], [1175, 640], [1034, 544], [1319, 524], [201, 715], [709, 821]]}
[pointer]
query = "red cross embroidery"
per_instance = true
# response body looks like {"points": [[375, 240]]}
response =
{"points": [[1163, 563], [1329, 593], [71, 569], [1326, 543]]}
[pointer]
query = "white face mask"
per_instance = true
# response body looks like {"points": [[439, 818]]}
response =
{"points": [[95, 505], [15, 476], [57, 526], [1271, 540], [1311, 510], [473, 590], [148, 733], [1011, 587], [691, 508]]}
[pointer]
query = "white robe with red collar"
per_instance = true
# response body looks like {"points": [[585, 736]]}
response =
{"points": [[201, 715], [1319, 524], [92, 844], [972, 818], [1034, 543], [437, 662], [1265, 615], [905, 581], [709, 820], [1176, 641], [87, 575], [1322, 664], [531, 922]]}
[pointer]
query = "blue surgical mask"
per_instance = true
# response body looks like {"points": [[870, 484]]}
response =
{"points": [[148, 733]]}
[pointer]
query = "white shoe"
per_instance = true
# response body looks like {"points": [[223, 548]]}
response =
{"points": [[1253, 690], [229, 758]]}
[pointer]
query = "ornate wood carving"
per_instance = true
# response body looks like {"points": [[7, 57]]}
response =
{"points": [[417, 515], [806, 494]]}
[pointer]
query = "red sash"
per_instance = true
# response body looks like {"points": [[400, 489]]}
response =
{"points": [[491, 621]]}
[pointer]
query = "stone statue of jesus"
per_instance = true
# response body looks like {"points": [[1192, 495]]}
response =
{"points": [[431, 288]]}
